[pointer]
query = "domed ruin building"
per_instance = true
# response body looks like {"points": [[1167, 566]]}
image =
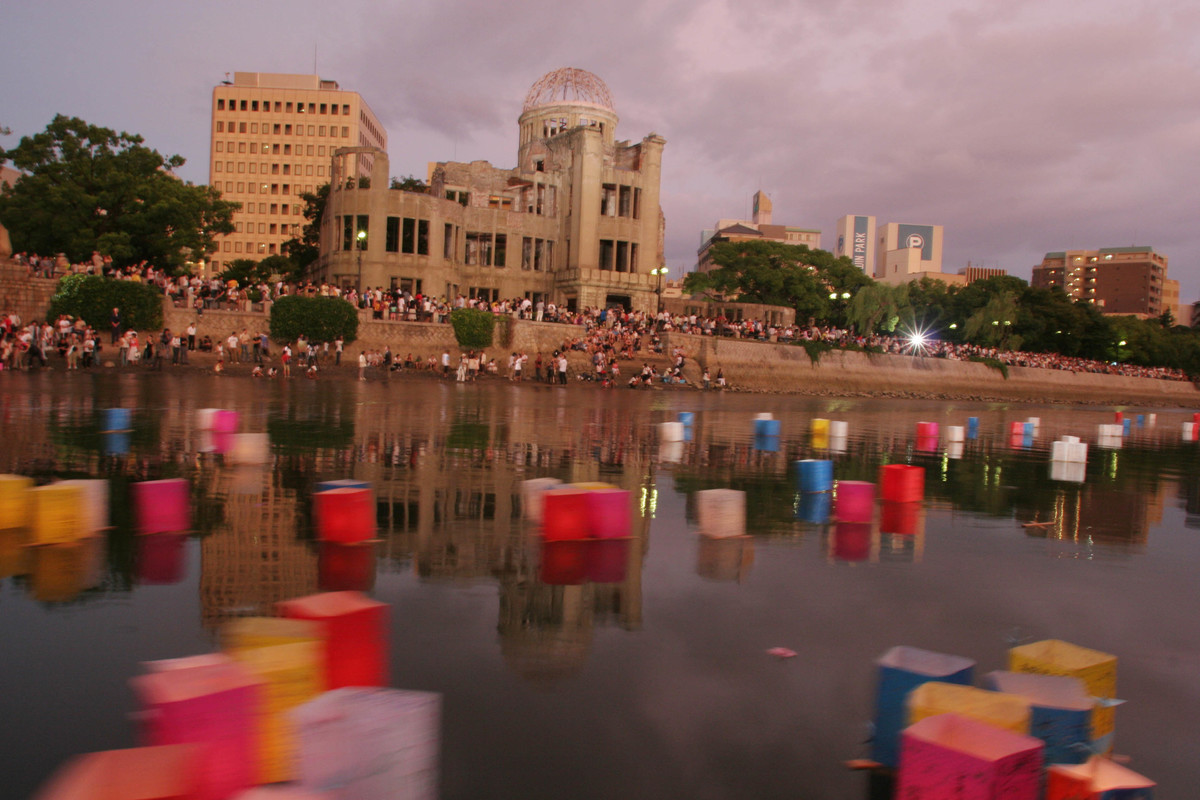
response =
{"points": [[577, 222]]}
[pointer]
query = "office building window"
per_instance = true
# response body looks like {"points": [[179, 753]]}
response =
{"points": [[221, 104]]}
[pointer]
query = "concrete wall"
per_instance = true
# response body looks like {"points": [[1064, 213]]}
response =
{"points": [[28, 297]]}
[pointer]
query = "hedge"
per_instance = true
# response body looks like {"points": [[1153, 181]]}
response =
{"points": [[318, 319], [472, 327], [93, 297]]}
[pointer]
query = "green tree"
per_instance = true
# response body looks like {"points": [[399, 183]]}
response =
{"points": [[319, 319], [87, 188], [92, 299], [473, 327], [304, 249], [992, 325], [410, 183], [878, 307]]}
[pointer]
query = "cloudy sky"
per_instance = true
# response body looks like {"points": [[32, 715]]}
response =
{"points": [[1022, 126]]}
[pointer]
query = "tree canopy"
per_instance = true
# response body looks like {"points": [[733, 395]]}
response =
{"points": [[86, 188], [304, 249]]}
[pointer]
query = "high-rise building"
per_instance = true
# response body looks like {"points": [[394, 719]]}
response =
{"points": [[1118, 280], [273, 136], [760, 227], [577, 222], [856, 240], [906, 252]]}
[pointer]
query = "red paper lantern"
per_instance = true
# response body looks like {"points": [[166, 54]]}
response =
{"points": [[565, 514], [355, 635], [346, 567], [901, 483], [346, 516]]}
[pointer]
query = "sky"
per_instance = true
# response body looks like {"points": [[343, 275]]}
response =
{"points": [[1021, 126]]}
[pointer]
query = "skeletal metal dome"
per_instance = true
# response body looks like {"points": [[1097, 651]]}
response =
{"points": [[568, 85]]}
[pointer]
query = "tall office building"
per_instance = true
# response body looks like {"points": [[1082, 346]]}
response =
{"points": [[1118, 280], [907, 252], [856, 239], [273, 136]]}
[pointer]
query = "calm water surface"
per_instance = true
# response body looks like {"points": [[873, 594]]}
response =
{"points": [[655, 682]]}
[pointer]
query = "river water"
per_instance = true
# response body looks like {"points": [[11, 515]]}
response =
{"points": [[653, 679]]}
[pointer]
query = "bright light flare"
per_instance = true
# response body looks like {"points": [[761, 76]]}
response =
{"points": [[918, 341]]}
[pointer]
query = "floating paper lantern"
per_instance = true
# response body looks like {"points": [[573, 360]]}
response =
{"points": [[607, 560], [94, 511], [291, 675], [819, 427], [1141, 420], [370, 744], [1127, 427], [162, 506], [953, 756], [116, 420], [1008, 711], [839, 429], [1069, 471], [355, 635], [686, 417], [1118, 417], [59, 572], [814, 475], [224, 421], [160, 558], [768, 444], [721, 512], [670, 431], [1189, 431], [268, 631], [14, 501], [767, 427], [838, 444], [902, 669], [954, 450], [346, 516], [58, 513], [205, 417], [1097, 670], [1151, 419], [814, 507], [215, 706], [609, 513], [854, 501], [1016, 428], [900, 518], [926, 444], [956, 433], [565, 514], [346, 567], [670, 452], [1098, 779], [927, 429], [901, 483], [1060, 711], [972, 427], [1036, 422], [166, 772], [852, 541], [1029, 430]]}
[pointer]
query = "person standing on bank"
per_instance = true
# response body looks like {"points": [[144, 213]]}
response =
{"points": [[114, 322]]}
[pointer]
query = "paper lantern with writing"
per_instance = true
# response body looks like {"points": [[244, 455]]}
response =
{"points": [[166, 772], [531, 496], [292, 675], [564, 561], [355, 635], [162, 506], [94, 511], [371, 744], [1008, 711], [214, 706], [950, 756], [160, 558], [14, 501], [902, 669], [346, 516], [1098, 779], [1097, 670], [342, 567], [250, 632], [565, 514], [607, 560], [721, 512], [58, 513], [1061, 711]]}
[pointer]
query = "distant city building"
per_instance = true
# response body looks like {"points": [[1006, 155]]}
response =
{"points": [[760, 228], [1118, 280], [856, 241], [8, 175], [971, 274], [577, 222], [906, 252], [272, 139]]}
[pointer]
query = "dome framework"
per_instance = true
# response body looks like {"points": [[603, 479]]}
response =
{"points": [[568, 85]]}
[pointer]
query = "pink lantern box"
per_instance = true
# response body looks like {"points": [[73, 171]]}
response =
{"points": [[370, 744], [215, 706], [355, 635], [162, 506], [166, 772], [565, 514], [927, 430], [346, 516], [160, 558], [952, 757], [609, 513], [224, 421], [854, 501]]}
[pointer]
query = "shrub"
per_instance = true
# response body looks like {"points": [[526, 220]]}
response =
{"points": [[815, 349], [472, 327], [92, 299], [992, 363], [319, 319]]}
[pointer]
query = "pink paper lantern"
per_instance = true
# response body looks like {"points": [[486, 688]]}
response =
{"points": [[854, 501], [608, 513], [162, 506], [950, 756], [852, 541], [355, 635], [166, 772], [224, 421]]}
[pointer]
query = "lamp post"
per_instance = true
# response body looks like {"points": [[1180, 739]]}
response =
{"points": [[659, 271], [361, 241]]}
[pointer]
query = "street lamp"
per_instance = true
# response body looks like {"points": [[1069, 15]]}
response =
{"points": [[362, 243], [659, 271]]}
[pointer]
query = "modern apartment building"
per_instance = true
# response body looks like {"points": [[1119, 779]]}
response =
{"points": [[273, 136], [1118, 280], [577, 222]]}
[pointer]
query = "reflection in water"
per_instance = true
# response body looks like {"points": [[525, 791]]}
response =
{"points": [[59, 572]]}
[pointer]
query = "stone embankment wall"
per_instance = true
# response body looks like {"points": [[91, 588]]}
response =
{"points": [[28, 297]]}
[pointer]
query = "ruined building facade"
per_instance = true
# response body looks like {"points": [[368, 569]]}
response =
{"points": [[577, 222]]}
